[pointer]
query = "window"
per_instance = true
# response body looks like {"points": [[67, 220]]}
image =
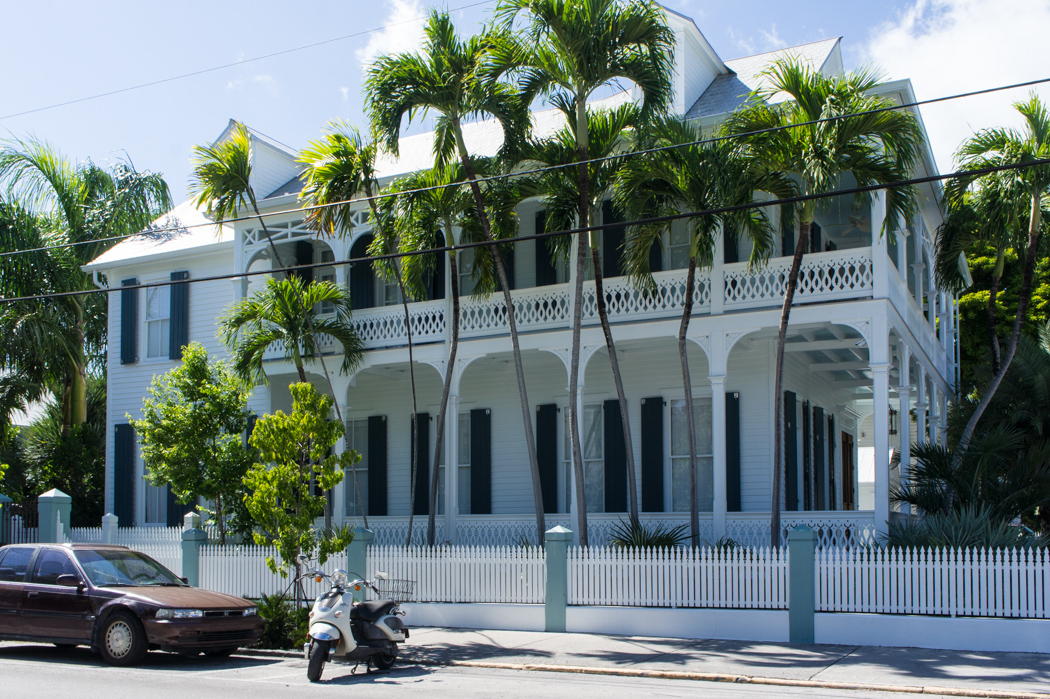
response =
{"points": [[465, 266], [387, 291], [326, 274], [357, 439], [593, 457], [50, 564], [158, 310], [14, 564], [463, 474], [678, 247], [156, 503], [680, 455]]}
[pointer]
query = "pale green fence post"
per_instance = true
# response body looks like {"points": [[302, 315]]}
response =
{"points": [[52, 506], [5, 519], [357, 555], [556, 547], [802, 584], [193, 538]]}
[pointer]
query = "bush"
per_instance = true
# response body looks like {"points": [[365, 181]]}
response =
{"points": [[287, 624], [969, 527], [633, 534]]}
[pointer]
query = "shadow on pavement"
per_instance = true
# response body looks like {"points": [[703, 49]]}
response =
{"points": [[339, 674], [82, 655]]}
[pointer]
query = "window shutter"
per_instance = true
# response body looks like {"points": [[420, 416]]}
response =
{"points": [[612, 243], [733, 452], [423, 463], [177, 510], [807, 458], [653, 454], [481, 461], [545, 270], [507, 252], [816, 242], [124, 474], [129, 322], [791, 450], [818, 458], [831, 462], [436, 281], [304, 255], [377, 465], [362, 283], [730, 253], [179, 318], [547, 454], [656, 257], [615, 459]]}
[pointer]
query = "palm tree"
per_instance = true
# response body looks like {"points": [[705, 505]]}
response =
{"points": [[451, 77], [688, 175], [48, 203], [875, 148], [570, 49], [995, 148]]}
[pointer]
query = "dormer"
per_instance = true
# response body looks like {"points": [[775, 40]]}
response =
{"points": [[696, 64], [274, 164]]}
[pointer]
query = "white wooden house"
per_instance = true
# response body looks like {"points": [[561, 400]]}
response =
{"points": [[872, 339]]}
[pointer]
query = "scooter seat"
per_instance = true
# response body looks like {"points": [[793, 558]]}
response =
{"points": [[371, 611]]}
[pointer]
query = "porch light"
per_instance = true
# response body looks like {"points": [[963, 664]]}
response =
{"points": [[893, 421]]}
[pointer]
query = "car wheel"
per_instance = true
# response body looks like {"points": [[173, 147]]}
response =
{"points": [[318, 657], [220, 653], [385, 661], [123, 640]]}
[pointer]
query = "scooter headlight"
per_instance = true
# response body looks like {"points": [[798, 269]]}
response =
{"points": [[339, 577]]}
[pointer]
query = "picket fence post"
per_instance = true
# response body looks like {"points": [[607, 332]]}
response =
{"points": [[109, 528], [5, 519], [193, 538], [556, 546], [357, 555], [52, 507], [802, 589]]}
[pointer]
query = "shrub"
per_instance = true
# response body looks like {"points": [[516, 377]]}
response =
{"points": [[287, 624], [633, 534], [969, 527]]}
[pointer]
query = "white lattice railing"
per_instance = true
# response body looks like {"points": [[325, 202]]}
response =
{"points": [[498, 574], [945, 582], [707, 577], [625, 301], [825, 276], [540, 308], [385, 327], [832, 528]]}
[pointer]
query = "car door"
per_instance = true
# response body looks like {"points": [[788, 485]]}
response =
{"points": [[14, 563], [53, 611]]}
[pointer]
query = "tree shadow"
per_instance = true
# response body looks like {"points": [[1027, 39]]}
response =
{"points": [[83, 656]]}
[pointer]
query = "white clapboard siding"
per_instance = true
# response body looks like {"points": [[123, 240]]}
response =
{"points": [[734, 578], [943, 582], [502, 574]]}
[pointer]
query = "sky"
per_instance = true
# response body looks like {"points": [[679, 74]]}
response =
{"points": [[59, 51]]}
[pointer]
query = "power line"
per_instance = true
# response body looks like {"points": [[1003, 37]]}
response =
{"points": [[523, 238], [540, 170], [224, 66]]}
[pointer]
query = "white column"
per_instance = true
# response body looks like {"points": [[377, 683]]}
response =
{"points": [[451, 467], [880, 369], [904, 422], [931, 309], [942, 432], [902, 252], [339, 492], [880, 258], [935, 416], [718, 287], [718, 453]]}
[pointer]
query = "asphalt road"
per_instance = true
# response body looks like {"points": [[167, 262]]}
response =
{"points": [[32, 670]]}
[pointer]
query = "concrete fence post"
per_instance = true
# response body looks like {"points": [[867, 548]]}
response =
{"points": [[5, 520], [193, 538], [357, 555], [110, 522], [802, 584], [52, 507], [556, 547]]}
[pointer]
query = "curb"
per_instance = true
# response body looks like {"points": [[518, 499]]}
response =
{"points": [[696, 676]]}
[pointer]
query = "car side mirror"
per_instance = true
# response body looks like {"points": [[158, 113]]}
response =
{"points": [[68, 580], [185, 581]]}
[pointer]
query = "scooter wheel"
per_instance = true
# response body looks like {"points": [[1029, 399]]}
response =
{"points": [[318, 657], [385, 661]]}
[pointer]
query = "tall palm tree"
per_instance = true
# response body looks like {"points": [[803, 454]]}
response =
{"points": [[451, 77], [568, 50], [48, 202], [692, 176], [997, 147], [878, 148]]}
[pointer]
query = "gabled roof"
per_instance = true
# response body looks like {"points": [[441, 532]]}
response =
{"points": [[728, 92], [273, 142]]}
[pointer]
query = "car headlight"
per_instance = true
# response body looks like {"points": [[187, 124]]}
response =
{"points": [[164, 613], [251, 611]]}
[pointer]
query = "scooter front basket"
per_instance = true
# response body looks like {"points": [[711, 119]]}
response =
{"points": [[396, 590]]}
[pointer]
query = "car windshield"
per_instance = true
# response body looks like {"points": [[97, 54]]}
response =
{"points": [[113, 568]]}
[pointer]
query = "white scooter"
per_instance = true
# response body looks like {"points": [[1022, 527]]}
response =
{"points": [[351, 631]]}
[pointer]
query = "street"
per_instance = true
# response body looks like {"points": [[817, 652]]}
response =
{"points": [[25, 669]]}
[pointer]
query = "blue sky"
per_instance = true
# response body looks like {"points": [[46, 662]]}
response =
{"points": [[61, 51]]}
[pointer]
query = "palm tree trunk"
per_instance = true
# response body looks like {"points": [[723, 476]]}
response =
{"points": [[993, 293], [78, 389], [415, 410], [778, 384], [445, 390], [512, 324], [687, 383], [603, 316], [1024, 297], [220, 519]]}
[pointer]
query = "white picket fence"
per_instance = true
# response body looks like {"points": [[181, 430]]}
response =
{"points": [[942, 582], [735, 578], [242, 571], [501, 574]]}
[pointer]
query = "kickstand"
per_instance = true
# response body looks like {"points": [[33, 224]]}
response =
{"points": [[354, 670]]}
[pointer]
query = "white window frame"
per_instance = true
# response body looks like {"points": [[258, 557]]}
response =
{"points": [[164, 320], [597, 462], [669, 460], [350, 505]]}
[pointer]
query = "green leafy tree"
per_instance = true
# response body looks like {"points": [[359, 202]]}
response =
{"points": [[192, 433], [789, 137], [294, 462]]}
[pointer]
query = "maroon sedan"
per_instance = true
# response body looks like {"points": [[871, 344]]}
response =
{"points": [[120, 602]]}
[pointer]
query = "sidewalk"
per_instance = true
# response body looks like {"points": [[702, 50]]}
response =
{"points": [[912, 670]]}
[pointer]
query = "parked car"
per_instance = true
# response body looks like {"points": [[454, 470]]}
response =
{"points": [[120, 602]]}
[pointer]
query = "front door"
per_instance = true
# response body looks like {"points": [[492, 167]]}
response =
{"points": [[54, 611], [14, 563], [846, 459]]}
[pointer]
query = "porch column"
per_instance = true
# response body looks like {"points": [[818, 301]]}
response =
{"points": [[942, 436], [918, 269], [718, 287], [717, 374], [339, 492], [920, 408], [935, 416], [931, 309], [904, 422], [902, 252], [880, 257], [573, 485], [451, 466], [880, 384]]}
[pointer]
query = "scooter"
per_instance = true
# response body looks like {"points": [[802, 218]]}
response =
{"points": [[351, 631]]}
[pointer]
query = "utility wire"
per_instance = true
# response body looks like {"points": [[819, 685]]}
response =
{"points": [[224, 66], [540, 170], [523, 238]]}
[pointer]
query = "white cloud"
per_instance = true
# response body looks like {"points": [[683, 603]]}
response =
{"points": [[268, 83], [345, 91], [767, 40], [403, 32], [951, 46]]}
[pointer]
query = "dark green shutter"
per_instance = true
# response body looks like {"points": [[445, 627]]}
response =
{"points": [[377, 465], [252, 419], [816, 241], [612, 242], [362, 280], [481, 461], [436, 284], [733, 452], [545, 270], [507, 253], [787, 239], [129, 322], [818, 458], [831, 462], [179, 318], [730, 253], [423, 463], [124, 475], [547, 454], [653, 454], [304, 255], [615, 459], [177, 510], [791, 450], [656, 257], [807, 458]]}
